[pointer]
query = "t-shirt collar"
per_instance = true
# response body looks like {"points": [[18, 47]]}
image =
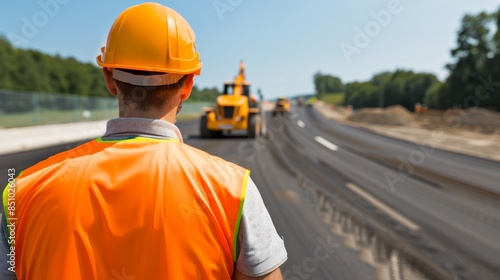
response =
{"points": [[122, 127]]}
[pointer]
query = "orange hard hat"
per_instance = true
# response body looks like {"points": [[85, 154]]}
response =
{"points": [[151, 37]]}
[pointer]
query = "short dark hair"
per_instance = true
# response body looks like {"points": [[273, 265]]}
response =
{"points": [[146, 97]]}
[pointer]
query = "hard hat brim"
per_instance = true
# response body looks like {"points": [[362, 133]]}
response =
{"points": [[196, 71]]}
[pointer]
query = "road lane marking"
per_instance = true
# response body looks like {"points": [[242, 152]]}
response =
{"points": [[326, 143], [380, 205], [301, 123]]}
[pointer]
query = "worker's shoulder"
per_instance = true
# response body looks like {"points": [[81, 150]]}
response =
{"points": [[194, 152], [84, 149]]}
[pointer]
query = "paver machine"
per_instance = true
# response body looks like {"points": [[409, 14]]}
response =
{"points": [[235, 110], [281, 107]]}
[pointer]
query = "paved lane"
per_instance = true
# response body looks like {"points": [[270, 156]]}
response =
{"points": [[351, 204]]}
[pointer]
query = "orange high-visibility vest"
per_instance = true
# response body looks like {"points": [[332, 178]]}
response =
{"points": [[133, 209]]}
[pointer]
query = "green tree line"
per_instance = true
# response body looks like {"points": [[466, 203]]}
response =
{"points": [[30, 70], [473, 80], [384, 89], [34, 71], [474, 73], [203, 95]]}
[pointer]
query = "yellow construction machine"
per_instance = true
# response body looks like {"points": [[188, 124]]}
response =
{"points": [[235, 110], [281, 107]]}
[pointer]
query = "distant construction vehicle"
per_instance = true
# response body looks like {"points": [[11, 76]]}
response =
{"points": [[281, 107], [420, 108], [235, 110], [311, 101]]}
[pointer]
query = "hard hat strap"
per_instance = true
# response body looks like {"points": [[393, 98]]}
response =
{"points": [[146, 80]]}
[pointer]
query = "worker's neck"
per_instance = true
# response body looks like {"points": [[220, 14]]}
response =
{"points": [[169, 116]]}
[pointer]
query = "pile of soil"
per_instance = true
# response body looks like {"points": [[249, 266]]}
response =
{"points": [[394, 115], [478, 119], [474, 131]]}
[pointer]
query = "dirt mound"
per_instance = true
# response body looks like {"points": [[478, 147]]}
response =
{"points": [[343, 111], [478, 119], [475, 116], [338, 113], [394, 115]]}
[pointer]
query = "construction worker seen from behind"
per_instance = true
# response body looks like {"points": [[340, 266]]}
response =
{"points": [[138, 203]]}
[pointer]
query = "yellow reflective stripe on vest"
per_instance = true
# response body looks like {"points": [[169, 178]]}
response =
{"points": [[5, 200], [240, 212]]}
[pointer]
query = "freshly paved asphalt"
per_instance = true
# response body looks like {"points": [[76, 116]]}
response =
{"points": [[351, 204]]}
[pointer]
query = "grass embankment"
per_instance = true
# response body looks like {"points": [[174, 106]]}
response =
{"points": [[189, 111], [188, 117], [333, 98], [45, 117], [59, 117]]}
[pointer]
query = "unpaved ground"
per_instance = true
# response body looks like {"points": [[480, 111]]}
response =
{"points": [[475, 131]]}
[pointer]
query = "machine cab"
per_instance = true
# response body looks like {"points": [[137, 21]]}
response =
{"points": [[233, 89]]}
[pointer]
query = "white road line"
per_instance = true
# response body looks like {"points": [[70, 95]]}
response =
{"points": [[380, 205], [301, 123], [326, 143]]}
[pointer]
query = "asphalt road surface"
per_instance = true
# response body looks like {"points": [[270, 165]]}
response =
{"points": [[351, 204]]}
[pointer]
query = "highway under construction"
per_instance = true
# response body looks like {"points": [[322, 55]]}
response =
{"points": [[328, 189]]}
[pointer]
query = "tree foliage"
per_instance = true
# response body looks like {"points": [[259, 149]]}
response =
{"points": [[473, 80], [474, 73], [325, 84], [389, 88], [361, 94], [203, 95], [383, 89], [30, 70]]}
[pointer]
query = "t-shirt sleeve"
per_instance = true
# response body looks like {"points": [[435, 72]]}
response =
{"points": [[260, 249]]}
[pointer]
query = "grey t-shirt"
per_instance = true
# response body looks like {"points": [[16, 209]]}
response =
{"points": [[260, 249]]}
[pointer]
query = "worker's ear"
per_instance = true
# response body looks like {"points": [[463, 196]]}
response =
{"points": [[187, 87], [108, 78]]}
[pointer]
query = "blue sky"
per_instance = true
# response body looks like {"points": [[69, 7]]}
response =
{"points": [[283, 43]]}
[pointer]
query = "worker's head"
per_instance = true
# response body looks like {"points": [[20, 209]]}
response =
{"points": [[150, 58]]}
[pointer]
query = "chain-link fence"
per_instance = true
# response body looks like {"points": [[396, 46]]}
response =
{"points": [[20, 109]]}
